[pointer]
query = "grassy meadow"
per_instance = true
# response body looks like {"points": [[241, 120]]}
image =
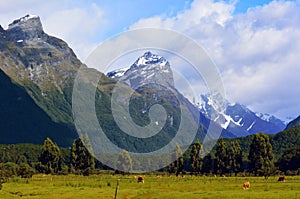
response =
{"points": [[104, 186]]}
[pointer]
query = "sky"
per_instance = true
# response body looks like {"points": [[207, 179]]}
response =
{"points": [[254, 44]]}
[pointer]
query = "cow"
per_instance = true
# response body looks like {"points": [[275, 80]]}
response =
{"points": [[281, 179], [246, 185], [140, 179]]}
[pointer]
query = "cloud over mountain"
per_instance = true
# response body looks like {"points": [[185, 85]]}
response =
{"points": [[255, 51]]}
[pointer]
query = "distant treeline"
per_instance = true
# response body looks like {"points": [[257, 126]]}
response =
{"points": [[259, 154]]}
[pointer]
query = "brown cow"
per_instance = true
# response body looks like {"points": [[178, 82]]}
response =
{"points": [[140, 179], [281, 179], [246, 185]]}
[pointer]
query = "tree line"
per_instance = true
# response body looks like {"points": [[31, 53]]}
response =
{"points": [[226, 159], [51, 161]]}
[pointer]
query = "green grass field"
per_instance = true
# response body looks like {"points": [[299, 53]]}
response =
{"points": [[103, 186]]}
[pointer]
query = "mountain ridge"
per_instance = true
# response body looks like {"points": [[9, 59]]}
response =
{"points": [[42, 69], [238, 119], [293, 123]]}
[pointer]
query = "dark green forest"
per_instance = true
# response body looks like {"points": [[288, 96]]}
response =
{"points": [[259, 154]]}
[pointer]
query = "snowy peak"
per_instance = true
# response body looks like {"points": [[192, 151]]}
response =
{"points": [[238, 119], [117, 73], [150, 59], [147, 69]]}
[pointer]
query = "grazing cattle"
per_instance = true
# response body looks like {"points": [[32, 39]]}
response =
{"points": [[140, 179], [246, 185], [281, 179]]}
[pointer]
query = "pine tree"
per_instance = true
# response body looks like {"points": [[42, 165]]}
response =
{"points": [[178, 165], [235, 157], [195, 160], [50, 160], [221, 157], [82, 161], [124, 163], [207, 164], [261, 156]]}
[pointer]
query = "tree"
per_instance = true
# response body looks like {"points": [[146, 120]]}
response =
{"points": [[261, 156], [124, 163], [178, 164], [221, 157], [50, 160], [207, 164], [290, 160], [235, 157], [195, 160], [82, 161], [25, 171]]}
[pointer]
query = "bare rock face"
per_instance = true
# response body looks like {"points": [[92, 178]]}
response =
{"points": [[28, 27], [31, 54]]}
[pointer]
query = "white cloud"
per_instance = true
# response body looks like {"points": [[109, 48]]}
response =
{"points": [[255, 51], [76, 26]]}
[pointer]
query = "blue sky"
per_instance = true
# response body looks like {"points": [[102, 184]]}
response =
{"points": [[119, 15], [255, 44], [243, 5]]}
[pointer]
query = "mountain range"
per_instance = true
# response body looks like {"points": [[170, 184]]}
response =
{"points": [[37, 73], [237, 119], [37, 76]]}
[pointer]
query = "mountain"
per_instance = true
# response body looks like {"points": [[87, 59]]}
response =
{"points": [[293, 123], [37, 76], [149, 68], [285, 140], [154, 71], [37, 73], [238, 119]]}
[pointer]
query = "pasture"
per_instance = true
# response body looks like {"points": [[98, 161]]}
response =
{"points": [[103, 186]]}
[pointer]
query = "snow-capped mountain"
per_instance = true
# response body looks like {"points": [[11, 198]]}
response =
{"points": [[238, 119], [147, 69]]}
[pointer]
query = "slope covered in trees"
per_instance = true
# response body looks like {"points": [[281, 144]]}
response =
{"points": [[260, 154]]}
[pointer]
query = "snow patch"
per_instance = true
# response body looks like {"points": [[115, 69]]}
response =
{"points": [[250, 127], [228, 119]]}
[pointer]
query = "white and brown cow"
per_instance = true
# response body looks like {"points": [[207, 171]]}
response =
{"points": [[140, 179]]}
